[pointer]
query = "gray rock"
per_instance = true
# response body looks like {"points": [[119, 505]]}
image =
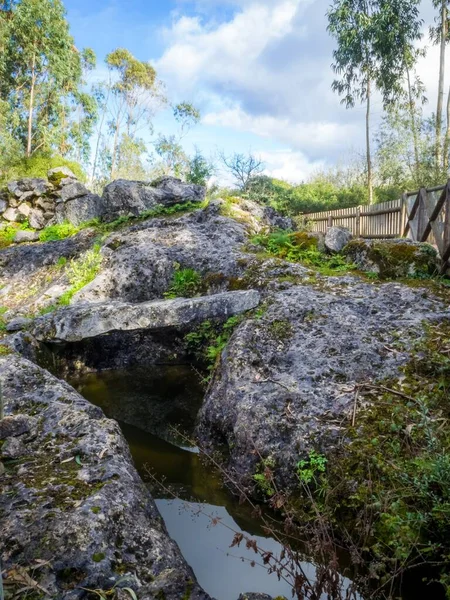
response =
{"points": [[24, 209], [123, 197], [141, 266], [85, 321], [27, 196], [82, 519], [37, 186], [13, 215], [26, 236], [19, 263], [72, 191], [255, 596], [13, 448], [45, 204], [58, 173], [80, 210], [286, 381], [37, 219], [14, 425], [336, 238], [3, 205], [18, 324], [393, 258]]}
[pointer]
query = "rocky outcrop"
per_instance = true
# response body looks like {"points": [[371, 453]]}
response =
{"points": [[85, 321], [123, 197], [72, 505], [44, 202], [140, 261], [286, 382], [336, 239], [393, 258]]}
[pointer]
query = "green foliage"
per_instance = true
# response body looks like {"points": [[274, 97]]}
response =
{"points": [[40, 75], [162, 211], [301, 247], [186, 283], [309, 470], [80, 272], [8, 233], [58, 232], [264, 476], [209, 339], [37, 166], [200, 170]]}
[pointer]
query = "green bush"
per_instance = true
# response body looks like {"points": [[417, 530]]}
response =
{"points": [[38, 166], [61, 231]]}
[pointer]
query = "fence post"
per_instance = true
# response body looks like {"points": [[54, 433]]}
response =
{"points": [[358, 222], [330, 221], [403, 216]]}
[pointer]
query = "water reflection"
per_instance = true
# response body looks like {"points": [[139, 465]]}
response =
{"points": [[148, 403]]}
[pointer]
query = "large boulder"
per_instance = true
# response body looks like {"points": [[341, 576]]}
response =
{"points": [[73, 510], [124, 197], [85, 321], [80, 210], [393, 258], [337, 238], [72, 191], [139, 261], [286, 382]]}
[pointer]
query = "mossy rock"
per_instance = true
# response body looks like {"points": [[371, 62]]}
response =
{"points": [[393, 258]]}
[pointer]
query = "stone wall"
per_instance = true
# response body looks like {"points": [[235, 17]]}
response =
{"points": [[44, 202]]}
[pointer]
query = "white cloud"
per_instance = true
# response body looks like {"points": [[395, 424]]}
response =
{"points": [[290, 166], [266, 70], [319, 137]]}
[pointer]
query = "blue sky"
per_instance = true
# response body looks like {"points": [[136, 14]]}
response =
{"points": [[259, 70]]}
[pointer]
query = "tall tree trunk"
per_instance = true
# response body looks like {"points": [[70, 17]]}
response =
{"points": [[99, 136], [369, 156], [114, 151], [31, 107], [412, 115], [440, 102], [447, 136]]}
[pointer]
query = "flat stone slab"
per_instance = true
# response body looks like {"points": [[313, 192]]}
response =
{"points": [[79, 322]]}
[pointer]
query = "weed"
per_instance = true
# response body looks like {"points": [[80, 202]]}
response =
{"points": [[308, 470], [299, 247], [209, 339], [186, 283]]}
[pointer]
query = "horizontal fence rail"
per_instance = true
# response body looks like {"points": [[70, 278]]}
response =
{"points": [[423, 216]]}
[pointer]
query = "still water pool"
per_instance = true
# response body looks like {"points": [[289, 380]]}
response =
{"points": [[148, 403]]}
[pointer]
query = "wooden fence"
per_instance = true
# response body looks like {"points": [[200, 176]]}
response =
{"points": [[423, 216]]}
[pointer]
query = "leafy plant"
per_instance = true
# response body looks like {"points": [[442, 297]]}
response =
{"points": [[209, 339], [301, 247], [308, 470], [186, 283], [57, 232]]}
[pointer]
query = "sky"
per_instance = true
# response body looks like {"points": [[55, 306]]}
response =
{"points": [[258, 70]]}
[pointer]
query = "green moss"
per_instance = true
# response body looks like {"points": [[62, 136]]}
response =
{"points": [[281, 329], [98, 557], [189, 588], [96, 510], [395, 259]]}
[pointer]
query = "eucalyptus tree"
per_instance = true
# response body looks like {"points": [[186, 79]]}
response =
{"points": [[132, 88], [375, 50], [40, 68]]}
